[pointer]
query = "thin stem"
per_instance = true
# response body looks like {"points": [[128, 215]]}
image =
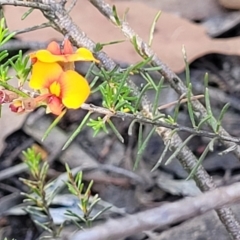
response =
{"points": [[146, 120], [31, 4], [72, 5], [34, 28], [13, 89]]}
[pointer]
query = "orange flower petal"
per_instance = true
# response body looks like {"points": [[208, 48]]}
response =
{"points": [[54, 105], [48, 56], [42, 98], [74, 89], [33, 57], [67, 47], [17, 106], [43, 74], [54, 48]]}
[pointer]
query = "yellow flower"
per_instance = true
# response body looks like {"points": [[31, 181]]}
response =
{"points": [[60, 88], [54, 76], [56, 53]]}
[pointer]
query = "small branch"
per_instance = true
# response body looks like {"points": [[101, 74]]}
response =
{"points": [[34, 28], [181, 100], [20, 45], [13, 89], [30, 4], [72, 5], [175, 82], [121, 171], [145, 120], [169, 213]]}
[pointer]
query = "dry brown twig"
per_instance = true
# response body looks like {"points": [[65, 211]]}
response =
{"points": [[162, 216], [146, 120], [58, 16], [34, 28], [18, 44]]}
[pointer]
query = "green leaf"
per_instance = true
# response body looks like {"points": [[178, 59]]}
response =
{"points": [[159, 116], [100, 213], [162, 156], [187, 71], [10, 88], [142, 145], [152, 69], [27, 13], [7, 38], [99, 46], [71, 189], [176, 110], [203, 121], [135, 45], [92, 84], [174, 155], [222, 113], [97, 125], [79, 180], [88, 191], [206, 78], [202, 157], [43, 226], [54, 124], [119, 136], [149, 79], [145, 88], [138, 66], [189, 105], [43, 171], [157, 95], [130, 128], [120, 87], [115, 15], [77, 131], [153, 28], [3, 54], [209, 110]]}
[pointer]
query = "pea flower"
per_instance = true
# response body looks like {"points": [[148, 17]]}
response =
{"points": [[7, 96], [61, 89], [62, 54], [22, 105], [54, 76]]}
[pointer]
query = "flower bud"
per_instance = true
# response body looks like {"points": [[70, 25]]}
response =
{"points": [[7, 96], [23, 105]]}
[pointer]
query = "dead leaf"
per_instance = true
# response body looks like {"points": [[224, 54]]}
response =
{"points": [[220, 24], [230, 4], [194, 10], [172, 32]]}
